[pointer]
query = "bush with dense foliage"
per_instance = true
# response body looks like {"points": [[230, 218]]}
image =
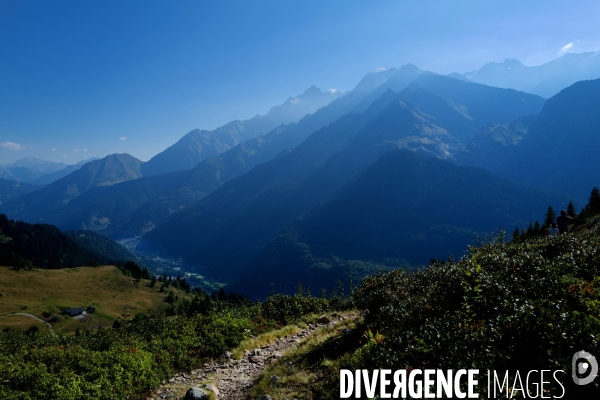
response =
{"points": [[522, 305], [135, 356]]}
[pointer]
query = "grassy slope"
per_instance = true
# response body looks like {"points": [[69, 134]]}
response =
{"points": [[303, 370], [113, 294]]}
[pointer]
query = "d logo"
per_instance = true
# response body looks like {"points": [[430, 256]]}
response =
{"points": [[581, 367]]}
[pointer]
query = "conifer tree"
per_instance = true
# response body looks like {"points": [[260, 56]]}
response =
{"points": [[170, 298], [537, 229], [529, 231], [571, 209], [594, 202], [550, 217], [515, 236]]}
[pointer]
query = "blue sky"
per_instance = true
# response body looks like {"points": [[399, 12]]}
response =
{"points": [[90, 78]]}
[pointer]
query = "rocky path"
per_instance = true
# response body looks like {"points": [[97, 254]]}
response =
{"points": [[230, 379]]}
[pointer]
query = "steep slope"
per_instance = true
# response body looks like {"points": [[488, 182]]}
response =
{"points": [[545, 80], [99, 244], [402, 206], [143, 213], [231, 224], [101, 207], [561, 149], [224, 230], [23, 245], [12, 189], [481, 102], [107, 171], [200, 145], [490, 147]]}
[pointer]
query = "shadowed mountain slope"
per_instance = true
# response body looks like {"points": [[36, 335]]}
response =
{"points": [[402, 206], [54, 176], [12, 189], [107, 171], [227, 228], [489, 147], [561, 147]]}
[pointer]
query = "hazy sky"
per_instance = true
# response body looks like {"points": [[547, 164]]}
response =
{"points": [[89, 78]]}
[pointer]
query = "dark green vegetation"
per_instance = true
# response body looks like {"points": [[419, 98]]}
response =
{"points": [[132, 358], [101, 245], [516, 306], [527, 304], [24, 245]]}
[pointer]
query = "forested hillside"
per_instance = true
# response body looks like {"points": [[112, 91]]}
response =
{"points": [[24, 245]]}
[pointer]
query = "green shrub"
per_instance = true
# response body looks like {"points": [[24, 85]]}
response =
{"points": [[130, 359], [515, 306]]}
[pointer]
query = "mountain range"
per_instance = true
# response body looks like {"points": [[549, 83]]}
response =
{"points": [[200, 145], [227, 228], [37, 171], [147, 202], [404, 208], [406, 166], [545, 80]]}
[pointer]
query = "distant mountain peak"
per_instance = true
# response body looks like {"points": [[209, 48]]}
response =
{"points": [[409, 67], [312, 90], [545, 80], [513, 62]]}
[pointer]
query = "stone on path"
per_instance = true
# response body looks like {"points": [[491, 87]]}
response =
{"points": [[323, 319], [195, 394], [213, 388]]}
